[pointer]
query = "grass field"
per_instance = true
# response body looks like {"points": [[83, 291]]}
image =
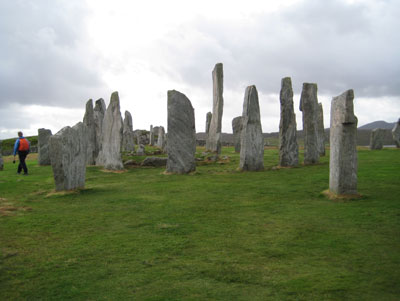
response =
{"points": [[216, 234]]}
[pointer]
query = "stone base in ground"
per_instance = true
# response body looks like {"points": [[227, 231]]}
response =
{"points": [[341, 197]]}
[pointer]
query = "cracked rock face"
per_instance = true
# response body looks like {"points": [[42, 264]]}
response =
{"points": [[181, 146], [43, 146], [110, 154], [252, 140], [68, 157], [343, 151], [288, 147]]}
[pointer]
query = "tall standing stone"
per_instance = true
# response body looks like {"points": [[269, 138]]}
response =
{"points": [[252, 140], [1, 157], [88, 121], [309, 107], [396, 133], [208, 122], [43, 146], [376, 140], [343, 145], [68, 157], [181, 146], [98, 115], [128, 137], [152, 140], [213, 142], [110, 154], [288, 147], [237, 131], [161, 138], [321, 130]]}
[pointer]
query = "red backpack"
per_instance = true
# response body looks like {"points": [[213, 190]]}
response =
{"points": [[23, 144]]}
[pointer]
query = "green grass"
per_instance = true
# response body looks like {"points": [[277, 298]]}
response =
{"points": [[216, 234]]}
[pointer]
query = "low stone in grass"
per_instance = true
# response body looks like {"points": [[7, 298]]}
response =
{"points": [[155, 161]]}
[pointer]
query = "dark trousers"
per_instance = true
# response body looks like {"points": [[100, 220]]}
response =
{"points": [[22, 165]]}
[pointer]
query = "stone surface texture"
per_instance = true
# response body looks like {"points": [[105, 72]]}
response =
{"points": [[98, 115], [237, 131], [110, 154], [152, 139], [396, 133], [309, 107], [252, 140], [376, 141], [321, 130], [288, 147], [181, 146], [343, 146], [213, 142], [43, 147], [68, 157], [208, 122], [140, 150], [161, 138], [128, 137], [155, 161], [88, 121]]}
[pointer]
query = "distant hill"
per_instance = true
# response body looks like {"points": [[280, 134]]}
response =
{"points": [[377, 124]]}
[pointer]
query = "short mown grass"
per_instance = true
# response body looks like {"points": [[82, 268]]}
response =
{"points": [[216, 234]]}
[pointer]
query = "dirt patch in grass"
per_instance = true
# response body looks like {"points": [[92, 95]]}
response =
{"points": [[341, 197], [8, 208]]}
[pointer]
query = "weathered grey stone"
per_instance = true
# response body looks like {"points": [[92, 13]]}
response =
{"points": [[181, 146], [309, 107], [155, 161], [376, 141], [1, 157], [152, 140], [161, 138], [141, 150], [237, 131], [88, 121], [321, 130], [43, 146], [343, 146], [213, 142], [98, 116], [288, 147], [396, 133], [110, 153], [208, 122], [128, 137], [68, 157], [252, 140]]}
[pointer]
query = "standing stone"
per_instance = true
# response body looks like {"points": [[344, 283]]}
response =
{"points": [[288, 147], [128, 137], [208, 122], [181, 146], [343, 145], [151, 135], [252, 140], [110, 154], [141, 150], [43, 146], [309, 107], [161, 138], [321, 130], [237, 131], [68, 157], [88, 121], [396, 133], [213, 142], [1, 157], [376, 141], [98, 116]]}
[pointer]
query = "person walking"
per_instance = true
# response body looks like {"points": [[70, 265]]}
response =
{"points": [[22, 146]]}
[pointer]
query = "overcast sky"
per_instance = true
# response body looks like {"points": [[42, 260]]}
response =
{"points": [[57, 54]]}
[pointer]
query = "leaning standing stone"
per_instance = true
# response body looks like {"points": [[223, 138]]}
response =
{"points": [[110, 154], [128, 137], [213, 142], [376, 141], [309, 107], [288, 147], [237, 131], [252, 140], [88, 121], [43, 146], [343, 145], [98, 115], [181, 146], [68, 157], [321, 130], [396, 133]]}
